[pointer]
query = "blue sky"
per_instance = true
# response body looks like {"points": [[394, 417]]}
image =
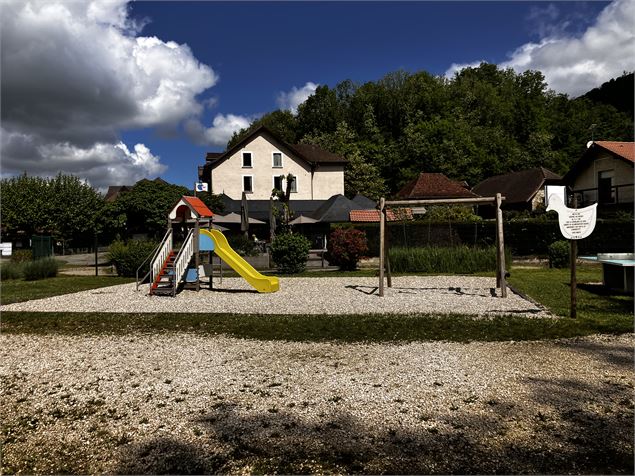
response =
{"points": [[146, 88]]}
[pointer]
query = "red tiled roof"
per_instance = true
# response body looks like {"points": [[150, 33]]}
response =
{"points": [[373, 215], [434, 185], [623, 149], [199, 207]]}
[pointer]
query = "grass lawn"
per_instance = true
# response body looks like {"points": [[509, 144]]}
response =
{"points": [[597, 313], [17, 290]]}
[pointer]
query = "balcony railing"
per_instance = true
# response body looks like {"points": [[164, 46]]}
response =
{"points": [[615, 195]]}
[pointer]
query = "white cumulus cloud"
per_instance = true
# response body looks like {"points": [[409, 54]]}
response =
{"points": [[574, 64], [222, 129], [75, 74], [292, 99]]}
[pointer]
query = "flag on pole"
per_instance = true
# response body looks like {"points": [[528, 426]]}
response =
{"points": [[201, 187]]}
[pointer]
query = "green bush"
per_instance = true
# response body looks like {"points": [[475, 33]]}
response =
{"points": [[127, 257], [11, 270], [40, 269], [242, 245], [21, 256], [454, 260], [559, 254], [345, 248], [290, 252]]}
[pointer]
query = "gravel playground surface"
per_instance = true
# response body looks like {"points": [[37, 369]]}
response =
{"points": [[410, 294], [185, 403]]}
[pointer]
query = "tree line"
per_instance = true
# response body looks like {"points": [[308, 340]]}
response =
{"points": [[482, 122], [71, 211]]}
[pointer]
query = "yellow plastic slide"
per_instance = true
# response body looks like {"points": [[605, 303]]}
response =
{"points": [[263, 284]]}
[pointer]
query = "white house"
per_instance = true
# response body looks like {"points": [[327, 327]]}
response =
{"points": [[257, 164]]}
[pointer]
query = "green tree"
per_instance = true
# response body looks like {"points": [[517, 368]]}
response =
{"points": [[281, 123], [24, 205], [64, 206], [360, 176]]}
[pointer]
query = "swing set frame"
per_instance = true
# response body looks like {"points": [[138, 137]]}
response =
{"points": [[384, 261]]}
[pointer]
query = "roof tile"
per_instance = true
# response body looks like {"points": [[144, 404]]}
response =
{"points": [[434, 185]]}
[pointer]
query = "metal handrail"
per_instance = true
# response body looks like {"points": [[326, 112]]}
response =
{"points": [[184, 255], [154, 254]]}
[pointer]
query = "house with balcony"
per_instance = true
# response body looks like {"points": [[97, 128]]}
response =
{"points": [[261, 162], [604, 175]]}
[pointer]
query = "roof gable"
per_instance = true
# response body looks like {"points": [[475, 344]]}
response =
{"points": [[624, 150], [517, 187], [196, 206], [309, 153], [619, 150], [434, 185]]}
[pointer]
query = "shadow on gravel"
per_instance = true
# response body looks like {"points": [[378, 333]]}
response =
{"points": [[559, 430]]}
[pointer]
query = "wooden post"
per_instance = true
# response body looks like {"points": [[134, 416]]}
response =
{"points": [[382, 249], [573, 255], [96, 257], [500, 248], [387, 253]]}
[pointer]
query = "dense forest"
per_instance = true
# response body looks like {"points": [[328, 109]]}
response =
{"points": [[482, 122]]}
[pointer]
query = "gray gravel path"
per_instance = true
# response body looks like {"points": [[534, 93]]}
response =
{"points": [[412, 294], [177, 403]]}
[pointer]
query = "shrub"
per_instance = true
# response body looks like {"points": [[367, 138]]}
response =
{"points": [[455, 260], [559, 254], [345, 247], [21, 256], [242, 245], [11, 270], [127, 257], [290, 252], [40, 269]]}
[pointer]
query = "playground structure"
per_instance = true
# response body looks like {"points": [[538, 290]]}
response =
{"points": [[384, 261], [171, 268]]}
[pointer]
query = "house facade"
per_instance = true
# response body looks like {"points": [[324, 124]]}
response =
{"points": [[523, 190], [260, 163], [604, 175]]}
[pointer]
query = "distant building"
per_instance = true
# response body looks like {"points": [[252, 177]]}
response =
{"points": [[434, 186], [523, 190], [604, 174], [259, 162]]}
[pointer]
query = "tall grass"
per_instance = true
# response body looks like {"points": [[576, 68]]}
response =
{"points": [[11, 270], [455, 260], [40, 269]]}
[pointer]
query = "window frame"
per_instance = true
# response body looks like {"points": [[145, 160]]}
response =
{"points": [[273, 181], [295, 183], [273, 162], [251, 159], [243, 177]]}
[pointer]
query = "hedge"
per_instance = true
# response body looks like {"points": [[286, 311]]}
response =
{"points": [[526, 237]]}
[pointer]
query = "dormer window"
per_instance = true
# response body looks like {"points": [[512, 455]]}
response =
{"points": [[247, 159], [277, 159]]}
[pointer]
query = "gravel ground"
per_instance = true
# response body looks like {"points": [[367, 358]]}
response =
{"points": [[176, 403], [411, 294]]}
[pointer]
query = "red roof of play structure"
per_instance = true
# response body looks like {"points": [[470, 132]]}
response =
{"points": [[199, 207]]}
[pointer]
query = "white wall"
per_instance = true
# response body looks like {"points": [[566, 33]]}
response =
{"points": [[227, 177]]}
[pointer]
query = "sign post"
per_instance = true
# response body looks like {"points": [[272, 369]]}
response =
{"points": [[575, 224]]}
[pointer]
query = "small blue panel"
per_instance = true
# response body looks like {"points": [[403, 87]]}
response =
{"points": [[205, 243], [191, 276]]}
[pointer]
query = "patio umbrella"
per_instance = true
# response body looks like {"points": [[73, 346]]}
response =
{"points": [[235, 218], [302, 220], [218, 227], [244, 216], [272, 221]]}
